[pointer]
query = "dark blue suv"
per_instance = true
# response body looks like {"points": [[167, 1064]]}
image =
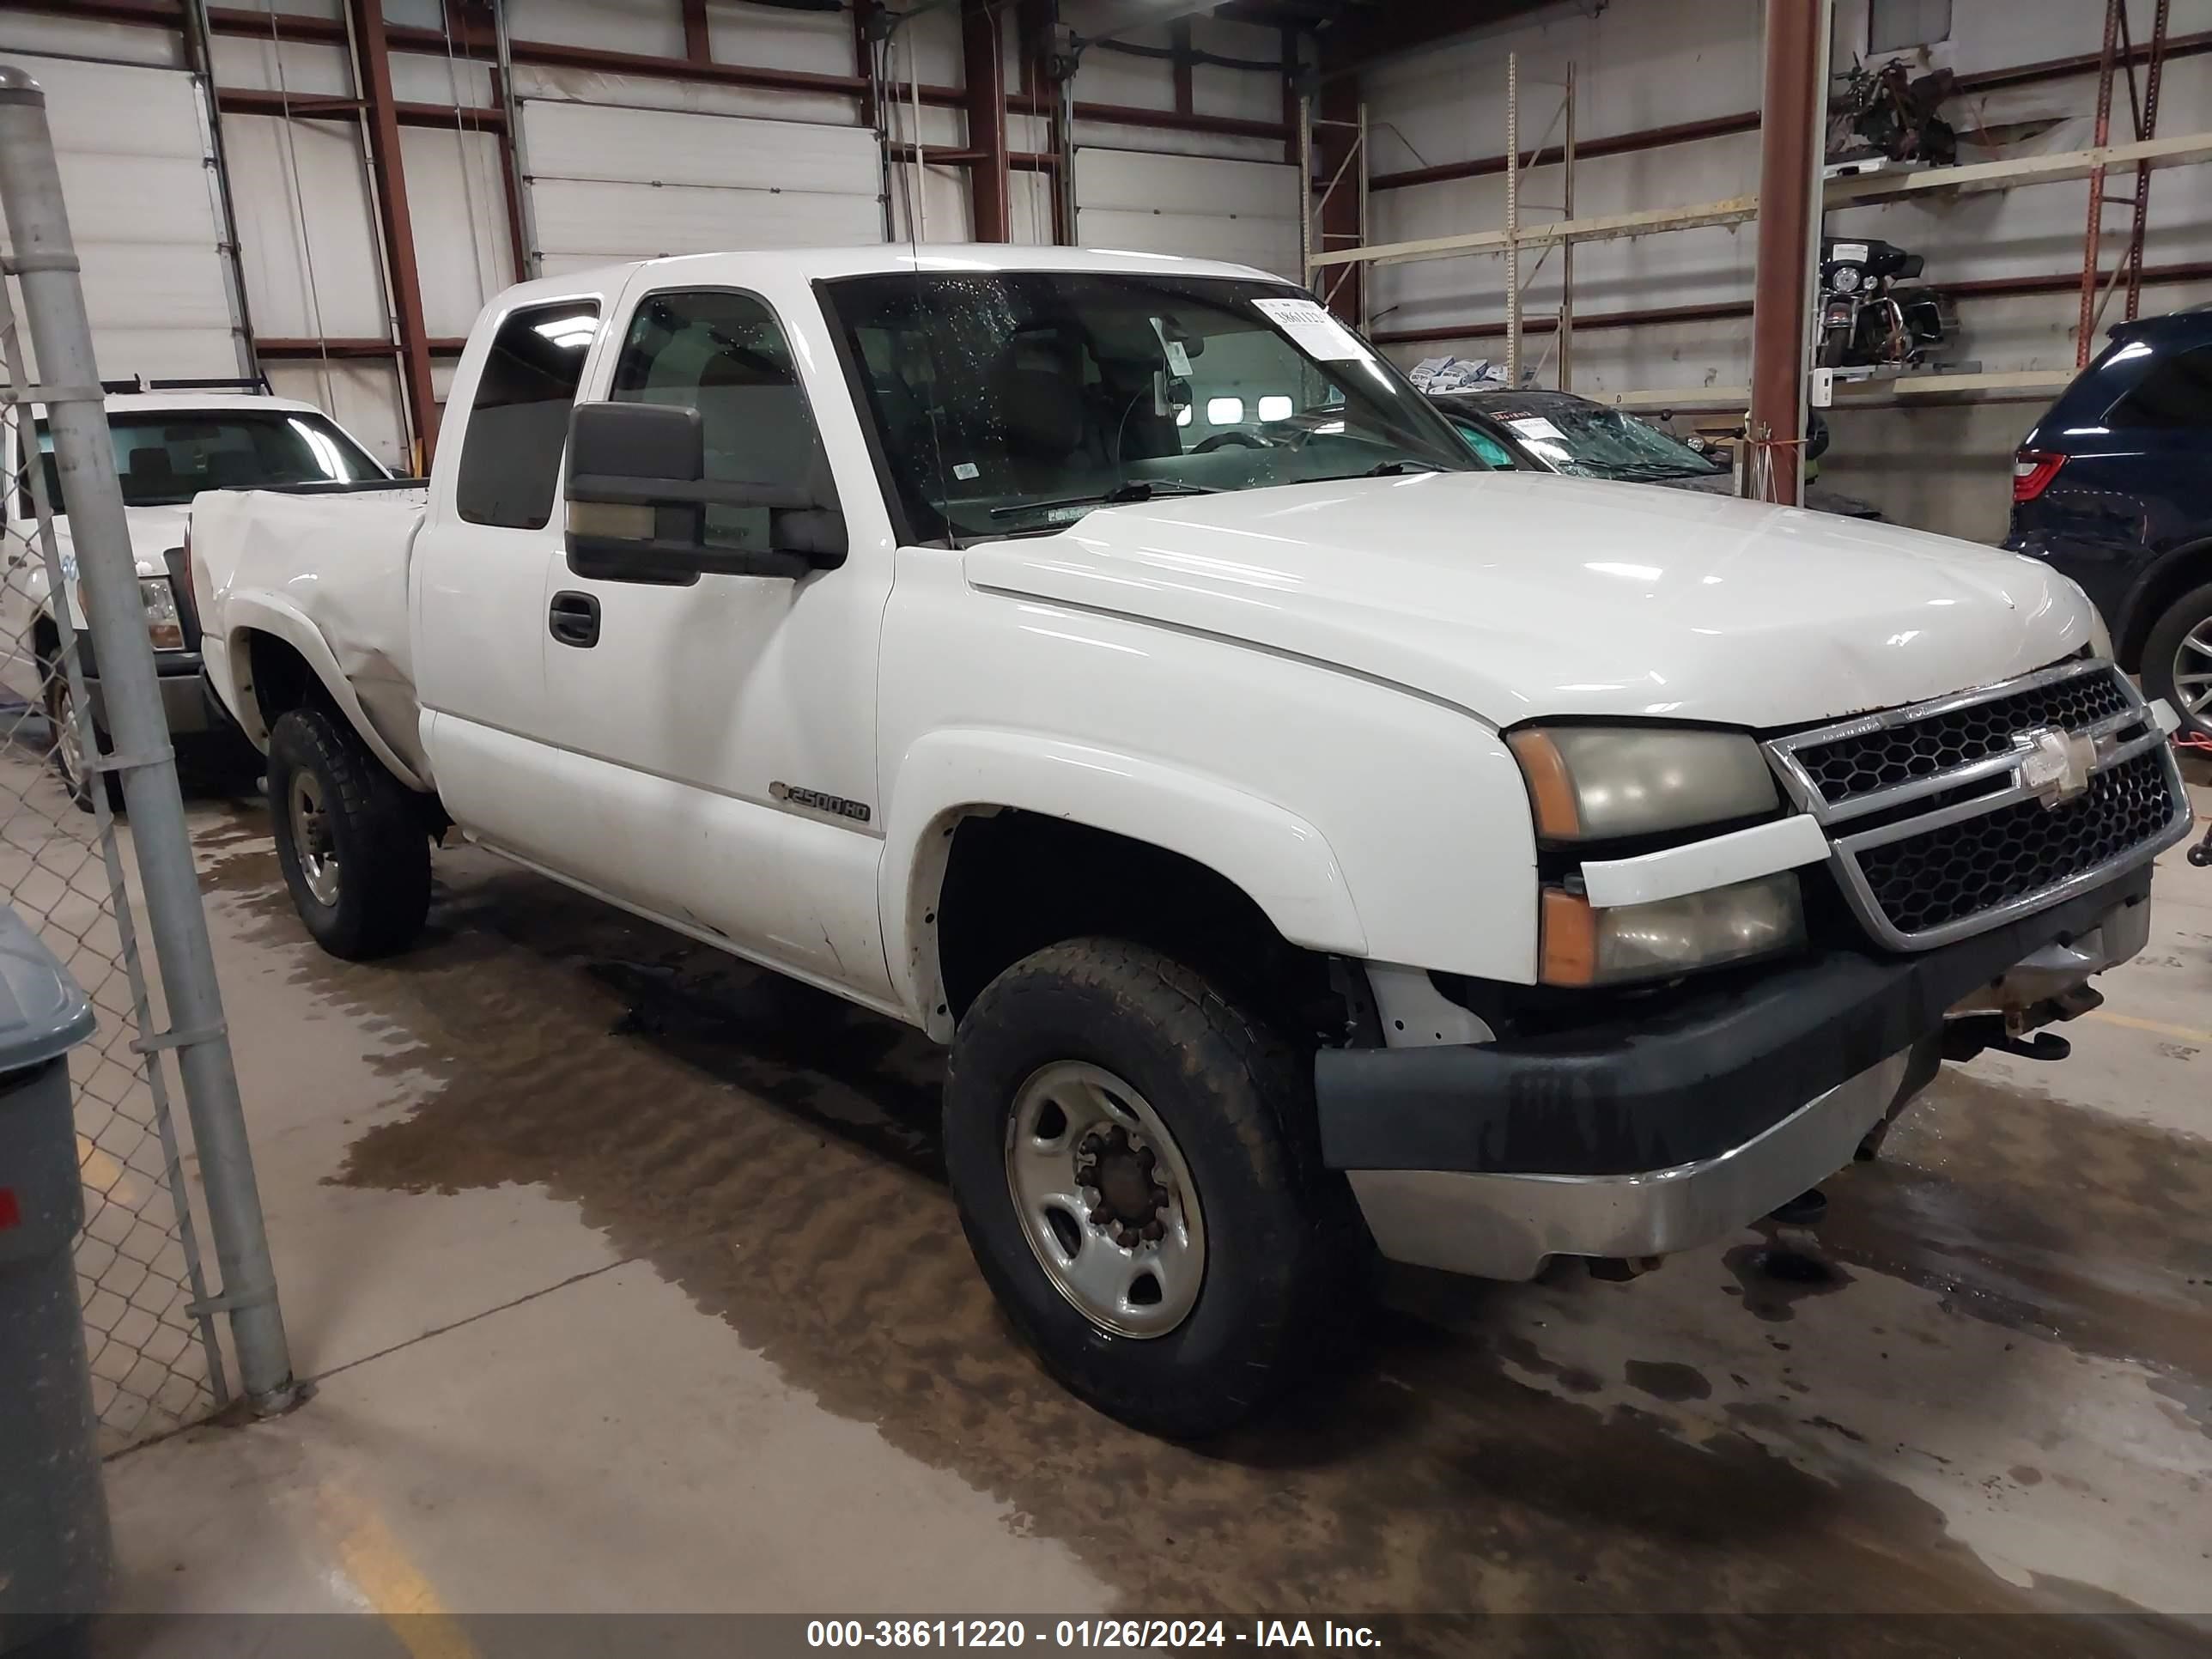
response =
{"points": [[2114, 489]]}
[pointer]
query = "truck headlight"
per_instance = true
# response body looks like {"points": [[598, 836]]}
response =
{"points": [[165, 628], [1602, 783], [1583, 946]]}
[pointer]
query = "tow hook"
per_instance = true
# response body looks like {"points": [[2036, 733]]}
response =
{"points": [[2009, 1032]]}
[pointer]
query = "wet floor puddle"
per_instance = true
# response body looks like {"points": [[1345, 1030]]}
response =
{"points": [[775, 1154]]}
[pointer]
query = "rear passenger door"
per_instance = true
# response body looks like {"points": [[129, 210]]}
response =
{"points": [[483, 563]]}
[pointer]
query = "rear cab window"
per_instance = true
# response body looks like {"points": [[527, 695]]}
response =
{"points": [[518, 427]]}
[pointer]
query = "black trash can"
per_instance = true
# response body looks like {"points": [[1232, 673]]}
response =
{"points": [[54, 1545]]}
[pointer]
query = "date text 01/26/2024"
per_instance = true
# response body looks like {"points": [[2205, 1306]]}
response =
{"points": [[1095, 1633]]}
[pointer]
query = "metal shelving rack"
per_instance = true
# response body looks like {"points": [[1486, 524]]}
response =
{"points": [[2146, 153]]}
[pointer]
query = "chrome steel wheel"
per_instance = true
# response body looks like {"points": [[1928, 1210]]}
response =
{"points": [[311, 838], [69, 741], [2192, 672], [1105, 1200]]}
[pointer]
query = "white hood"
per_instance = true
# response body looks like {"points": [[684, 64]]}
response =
{"points": [[1515, 596], [154, 532]]}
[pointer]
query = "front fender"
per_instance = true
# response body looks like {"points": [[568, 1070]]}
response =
{"points": [[231, 670], [1276, 858]]}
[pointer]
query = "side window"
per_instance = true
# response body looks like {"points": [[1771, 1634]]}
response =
{"points": [[2176, 392], [519, 423], [724, 354], [1492, 452]]}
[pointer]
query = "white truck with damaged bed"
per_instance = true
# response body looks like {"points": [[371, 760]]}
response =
{"points": [[1312, 845]]}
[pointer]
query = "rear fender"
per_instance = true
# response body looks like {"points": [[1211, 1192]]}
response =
{"points": [[246, 614]]}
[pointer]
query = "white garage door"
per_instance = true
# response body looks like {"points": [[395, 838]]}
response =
{"points": [[627, 184], [1245, 212], [138, 172]]}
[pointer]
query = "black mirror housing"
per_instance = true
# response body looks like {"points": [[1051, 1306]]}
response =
{"points": [[637, 501]]}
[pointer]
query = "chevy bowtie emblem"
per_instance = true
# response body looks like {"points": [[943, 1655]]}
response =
{"points": [[2055, 764]]}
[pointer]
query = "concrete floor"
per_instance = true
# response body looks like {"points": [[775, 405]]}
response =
{"points": [[628, 1282]]}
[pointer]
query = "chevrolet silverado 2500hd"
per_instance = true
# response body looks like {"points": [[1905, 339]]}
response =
{"points": [[1309, 843]]}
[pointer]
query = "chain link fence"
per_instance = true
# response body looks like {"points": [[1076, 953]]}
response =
{"points": [[156, 1363]]}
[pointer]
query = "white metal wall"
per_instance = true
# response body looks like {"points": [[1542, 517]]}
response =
{"points": [[619, 183], [132, 143], [623, 165], [1246, 212]]}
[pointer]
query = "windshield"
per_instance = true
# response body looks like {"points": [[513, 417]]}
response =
{"points": [[1014, 402], [165, 458], [1592, 442]]}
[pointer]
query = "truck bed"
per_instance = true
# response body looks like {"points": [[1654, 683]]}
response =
{"points": [[317, 565]]}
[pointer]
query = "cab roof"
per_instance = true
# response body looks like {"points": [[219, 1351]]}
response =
{"points": [[809, 265]]}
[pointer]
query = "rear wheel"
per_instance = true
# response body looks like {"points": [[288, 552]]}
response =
{"points": [[1134, 1162], [2177, 662], [354, 852]]}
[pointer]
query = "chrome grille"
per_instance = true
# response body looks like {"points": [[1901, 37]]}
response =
{"points": [[1939, 831], [1866, 763]]}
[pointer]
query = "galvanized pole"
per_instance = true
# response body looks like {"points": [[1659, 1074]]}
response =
{"points": [[44, 262], [1567, 249], [1513, 220]]}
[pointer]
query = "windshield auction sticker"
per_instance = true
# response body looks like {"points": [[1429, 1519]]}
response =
{"points": [[1314, 331]]}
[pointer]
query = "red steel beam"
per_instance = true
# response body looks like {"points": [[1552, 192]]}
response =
{"points": [[390, 172], [1789, 160], [253, 100], [1337, 219], [990, 200], [698, 40], [1186, 93]]}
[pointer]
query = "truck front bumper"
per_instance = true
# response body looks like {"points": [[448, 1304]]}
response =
{"points": [[186, 701], [1650, 1136]]}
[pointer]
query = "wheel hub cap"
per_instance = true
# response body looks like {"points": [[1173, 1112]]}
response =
{"points": [[2192, 672], [311, 840], [1105, 1199]]}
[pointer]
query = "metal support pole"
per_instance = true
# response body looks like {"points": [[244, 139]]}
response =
{"points": [[1790, 159], [1366, 231], [2092, 243], [1513, 219], [2146, 130], [44, 261], [529, 264], [380, 132], [1305, 188], [199, 48], [1567, 250]]}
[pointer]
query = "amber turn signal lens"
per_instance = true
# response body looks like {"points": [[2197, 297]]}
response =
{"points": [[1570, 939], [1550, 789]]}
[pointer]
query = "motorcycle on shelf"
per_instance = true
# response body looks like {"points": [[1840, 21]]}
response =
{"points": [[1890, 112], [1872, 314]]}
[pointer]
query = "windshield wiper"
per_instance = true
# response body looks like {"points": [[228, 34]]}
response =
{"points": [[1380, 469], [1136, 489]]}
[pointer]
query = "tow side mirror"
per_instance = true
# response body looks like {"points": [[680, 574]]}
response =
{"points": [[637, 499]]}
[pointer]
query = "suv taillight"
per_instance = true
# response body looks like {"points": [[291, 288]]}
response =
{"points": [[2033, 470]]}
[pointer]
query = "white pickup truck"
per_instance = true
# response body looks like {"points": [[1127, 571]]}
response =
{"points": [[1312, 845], [172, 439]]}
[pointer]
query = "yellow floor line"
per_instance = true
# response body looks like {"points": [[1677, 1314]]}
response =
{"points": [[388, 1581], [2179, 1033]]}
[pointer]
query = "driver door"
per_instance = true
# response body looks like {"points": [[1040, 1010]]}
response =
{"points": [[722, 734]]}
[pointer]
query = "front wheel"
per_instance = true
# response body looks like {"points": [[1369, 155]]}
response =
{"points": [[72, 765], [354, 852], [1134, 1163], [2176, 660]]}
